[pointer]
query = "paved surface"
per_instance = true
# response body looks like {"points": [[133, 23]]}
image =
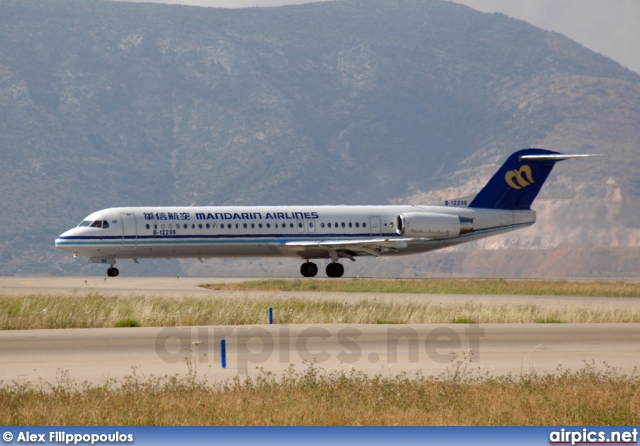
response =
{"points": [[100, 354], [97, 355], [175, 286], [190, 286]]}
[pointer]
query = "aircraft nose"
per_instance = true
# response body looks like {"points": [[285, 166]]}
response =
{"points": [[60, 241]]}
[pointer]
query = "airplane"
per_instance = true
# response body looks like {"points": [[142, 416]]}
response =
{"points": [[315, 232]]}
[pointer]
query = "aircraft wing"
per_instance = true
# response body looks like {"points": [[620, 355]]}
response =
{"points": [[378, 246], [373, 247]]}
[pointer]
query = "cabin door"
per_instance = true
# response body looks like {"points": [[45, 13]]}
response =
{"points": [[129, 231]]}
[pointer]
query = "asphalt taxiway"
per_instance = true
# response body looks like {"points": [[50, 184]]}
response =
{"points": [[97, 355]]}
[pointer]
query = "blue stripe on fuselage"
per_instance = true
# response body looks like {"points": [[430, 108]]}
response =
{"points": [[204, 239]]}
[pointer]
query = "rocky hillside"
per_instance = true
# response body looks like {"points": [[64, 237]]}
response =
{"points": [[108, 103]]}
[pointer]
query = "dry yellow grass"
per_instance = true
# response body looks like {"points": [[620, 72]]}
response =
{"points": [[446, 286], [313, 397], [98, 311]]}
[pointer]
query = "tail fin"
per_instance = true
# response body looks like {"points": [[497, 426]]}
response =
{"points": [[518, 181]]}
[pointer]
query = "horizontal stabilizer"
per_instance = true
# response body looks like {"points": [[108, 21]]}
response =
{"points": [[557, 157]]}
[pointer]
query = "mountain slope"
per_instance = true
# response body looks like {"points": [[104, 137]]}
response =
{"points": [[107, 104]]}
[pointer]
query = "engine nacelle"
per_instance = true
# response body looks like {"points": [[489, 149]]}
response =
{"points": [[423, 224]]}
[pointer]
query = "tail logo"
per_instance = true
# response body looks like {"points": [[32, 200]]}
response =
{"points": [[520, 178]]}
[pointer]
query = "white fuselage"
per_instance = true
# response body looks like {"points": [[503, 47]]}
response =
{"points": [[316, 232], [306, 232]]}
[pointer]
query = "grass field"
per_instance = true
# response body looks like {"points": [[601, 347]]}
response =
{"points": [[100, 311], [445, 286], [315, 397]]}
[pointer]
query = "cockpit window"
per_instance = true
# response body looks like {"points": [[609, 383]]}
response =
{"points": [[103, 224]]}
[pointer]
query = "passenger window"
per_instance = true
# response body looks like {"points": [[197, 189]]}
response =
{"points": [[253, 225], [260, 225], [214, 226], [244, 226], [291, 225], [148, 227], [199, 226], [357, 225], [268, 225], [171, 225], [329, 224], [322, 225], [350, 225], [343, 225], [208, 226], [311, 225], [299, 225], [364, 225]]}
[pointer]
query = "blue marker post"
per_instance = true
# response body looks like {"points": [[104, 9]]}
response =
{"points": [[223, 353], [270, 315]]}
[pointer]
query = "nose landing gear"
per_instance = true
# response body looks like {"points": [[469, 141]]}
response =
{"points": [[112, 272]]}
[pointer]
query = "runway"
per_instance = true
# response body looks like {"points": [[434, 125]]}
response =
{"points": [[97, 355], [191, 286]]}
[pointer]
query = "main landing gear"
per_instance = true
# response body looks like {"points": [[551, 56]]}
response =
{"points": [[112, 272], [310, 269], [335, 269]]}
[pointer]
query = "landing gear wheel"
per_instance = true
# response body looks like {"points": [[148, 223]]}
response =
{"points": [[309, 269], [112, 272], [335, 270]]}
